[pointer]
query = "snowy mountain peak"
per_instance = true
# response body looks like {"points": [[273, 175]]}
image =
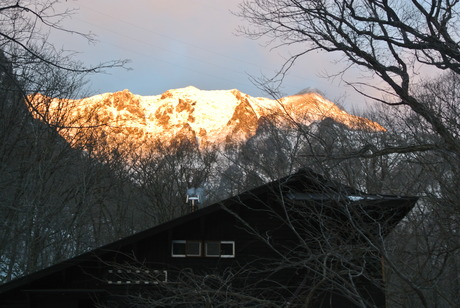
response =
{"points": [[216, 117]]}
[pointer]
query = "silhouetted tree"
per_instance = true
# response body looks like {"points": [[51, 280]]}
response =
{"points": [[53, 201]]}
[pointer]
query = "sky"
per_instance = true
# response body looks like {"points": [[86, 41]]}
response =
{"points": [[177, 43]]}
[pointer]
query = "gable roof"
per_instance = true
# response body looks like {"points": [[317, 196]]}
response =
{"points": [[302, 185]]}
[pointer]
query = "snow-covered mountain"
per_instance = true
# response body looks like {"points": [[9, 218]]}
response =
{"points": [[207, 117]]}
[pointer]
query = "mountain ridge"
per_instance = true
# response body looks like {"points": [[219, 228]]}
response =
{"points": [[205, 117]]}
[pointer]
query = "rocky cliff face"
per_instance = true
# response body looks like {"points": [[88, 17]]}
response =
{"points": [[123, 119]]}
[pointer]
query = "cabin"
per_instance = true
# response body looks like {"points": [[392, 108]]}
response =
{"points": [[300, 239]]}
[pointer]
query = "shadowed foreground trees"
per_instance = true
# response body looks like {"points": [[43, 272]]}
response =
{"points": [[54, 200], [408, 54]]}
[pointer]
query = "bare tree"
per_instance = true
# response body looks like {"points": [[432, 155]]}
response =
{"points": [[51, 206], [396, 45], [386, 39], [25, 29]]}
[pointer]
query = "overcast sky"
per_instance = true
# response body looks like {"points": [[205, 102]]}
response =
{"points": [[177, 43]]}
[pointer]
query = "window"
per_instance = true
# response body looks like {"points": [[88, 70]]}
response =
{"points": [[178, 249], [186, 248], [212, 249], [223, 249], [227, 249], [193, 248], [219, 249]]}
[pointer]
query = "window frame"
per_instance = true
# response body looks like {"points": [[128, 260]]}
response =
{"points": [[233, 249], [186, 242], [179, 242], [202, 249], [206, 249], [220, 255]]}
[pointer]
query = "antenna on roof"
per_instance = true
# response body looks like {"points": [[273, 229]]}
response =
{"points": [[194, 198]]}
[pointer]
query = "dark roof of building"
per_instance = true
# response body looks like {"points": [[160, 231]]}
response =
{"points": [[294, 186]]}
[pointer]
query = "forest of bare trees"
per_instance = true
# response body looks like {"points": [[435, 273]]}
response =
{"points": [[55, 202], [409, 54]]}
